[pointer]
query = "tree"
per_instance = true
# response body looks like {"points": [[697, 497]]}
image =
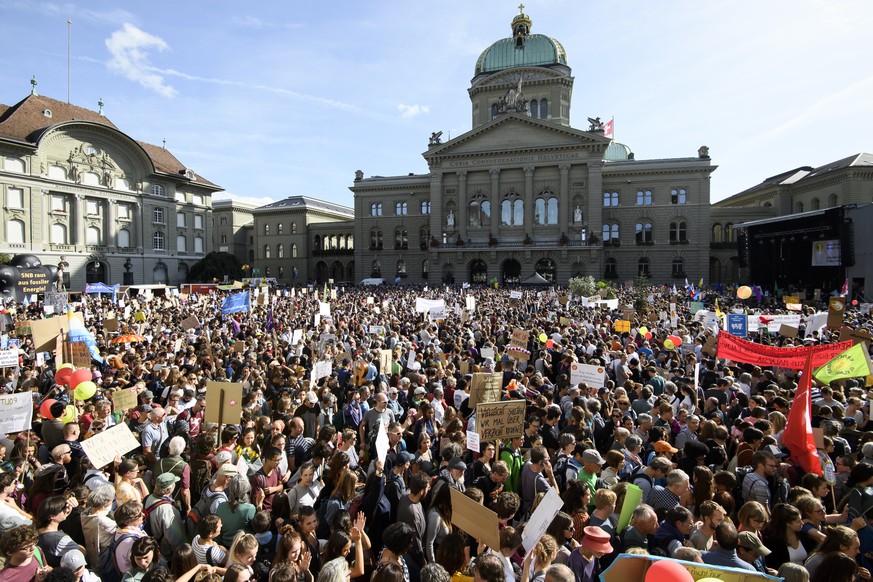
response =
{"points": [[582, 286], [5, 258], [215, 266]]}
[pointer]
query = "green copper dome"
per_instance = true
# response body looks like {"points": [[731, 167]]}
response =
{"points": [[538, 50], [617, 152]]}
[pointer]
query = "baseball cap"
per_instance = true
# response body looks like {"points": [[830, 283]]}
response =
{"points": [[420, 390], [592, 456], [750, 541], [227, 470], [777, 452], [664, 447], [312, 397], [166, 479], [148, 394], [404, 457], [456, 464], [73, 559]]}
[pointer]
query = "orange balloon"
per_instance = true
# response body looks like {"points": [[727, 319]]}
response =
{"points": [[744, 292]]}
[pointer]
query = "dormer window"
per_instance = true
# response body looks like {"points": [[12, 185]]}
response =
{"points": [[47, 112], [157, 190]]}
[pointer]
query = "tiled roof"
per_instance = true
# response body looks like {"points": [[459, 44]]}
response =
{"points": [[27, 119], [862, 159]]}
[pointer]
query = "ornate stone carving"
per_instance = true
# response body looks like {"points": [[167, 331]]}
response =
{"points": [[435, 138]]}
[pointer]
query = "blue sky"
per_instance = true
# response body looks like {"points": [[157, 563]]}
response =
{"points": [[272, 99]]}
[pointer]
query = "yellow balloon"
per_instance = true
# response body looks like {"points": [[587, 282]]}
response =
{"points": [[669, 344], [644, 330], [69, 414], [543, 338], [744, 292]]}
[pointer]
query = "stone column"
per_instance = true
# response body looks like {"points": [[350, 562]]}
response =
{"points": [[139, 227], [595, 201], [462, 205], [78, 221], [436, 222], [495, 201], [528, 201], [110, 226], [565, 213]]}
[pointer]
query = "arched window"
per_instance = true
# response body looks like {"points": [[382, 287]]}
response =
{"points": [[293, 251], [401, 239], [534, 108], [198, 244], [123, 238], [729, 232], [266, 230], [350, 242], [424, 269], [92, 236], [716, 233], [54, 172], [293, 228], [423, 237], [678, 196], [377, 268], [158, 190], [493, 110], [158, 241], [799, 207], [611, 271], [59, 234], [401, 208], [644, 233], [267, 254], [833, 201], [425, 207], [643, 267], [15, 232], [181, 244], [512, 210], [544, 108], [316, 243], [611, 233], [280, 251], [678, 231], [17, 165], [610, 199], [159, 273], [279, 228], [401, 268], [479, 211], [644, 198], [815, 204], [342, 241], [376, 239], [376, 209], [546, 209], [678, 267], [251, 255]]}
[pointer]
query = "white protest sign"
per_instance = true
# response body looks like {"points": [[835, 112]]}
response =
{"points": [[515, 294], [773, 322], [541, 518], [8, 358], [323, 308], [592, 375], [16, 412], [296, 336], [321, 370], [471, 303], [102, 448], [473, 441], [487, 353], [423, 305], [382, 444], [437, 313], [815, 323]]}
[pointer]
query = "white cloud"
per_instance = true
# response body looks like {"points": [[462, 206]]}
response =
{"points": [[130, 48], [249, 21], [410, 111]]}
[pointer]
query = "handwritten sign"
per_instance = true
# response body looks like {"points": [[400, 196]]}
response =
{"points": [[500, 420], [22, 328], [16, 412], [190, 323], [230, 408], [473, 441], [8, 358], [485, 388], [386, 360], [123, 400], [519, 337], [622, 326], [80, 354], [103, 447], [541, 518]]}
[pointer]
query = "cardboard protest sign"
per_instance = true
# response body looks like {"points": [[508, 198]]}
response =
{"points": [[818, 437], [787, 330], [564, 320], [22, 328], [541, 518], [856, 335], [485, 388], [123, 400], [836, 311], [465, 367], [632, 567], [16, 411], [622, 326], [239, 347], [500, 420], [103, 447], [46, 331], [474, 519], [487, 353], [518, 353], [80, 354], [190, 323], [519, 337], [386, 361], [110, 324], [229, 408]]}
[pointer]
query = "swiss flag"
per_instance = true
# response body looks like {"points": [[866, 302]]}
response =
{"points": [[797, 436], [608, 128]]}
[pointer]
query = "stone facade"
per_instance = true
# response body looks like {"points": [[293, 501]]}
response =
{"points": [[76, 190], [230, 234]]}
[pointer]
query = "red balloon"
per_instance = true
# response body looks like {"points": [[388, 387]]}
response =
{"points": [[648, 335], [677, 341], [63, 375], [667, 570], [79, 376], [45, 408], [854, 302]]}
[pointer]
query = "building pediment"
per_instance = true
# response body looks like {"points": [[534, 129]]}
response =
{"points": [[513, 134]]}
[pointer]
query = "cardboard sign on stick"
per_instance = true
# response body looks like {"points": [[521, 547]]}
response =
{"points": [[80, 354], [16, 412], [486, 388], [500, 420], [190, 323], [124, 400], [475, 519], [46, 331], [110, 324], [103, 447], [230, 408]]}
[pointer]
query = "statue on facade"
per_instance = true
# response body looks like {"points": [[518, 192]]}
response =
{"points": [[703, 152], [577, 215], [596, 124], [435, 138], [59, 278], [450, 219], [513, 100]]}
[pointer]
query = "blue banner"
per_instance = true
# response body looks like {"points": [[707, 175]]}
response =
{"points": [[737, 324], [236, 303]]}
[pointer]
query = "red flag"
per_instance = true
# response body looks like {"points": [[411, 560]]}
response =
{"points": [[798, 431], [845, 290], [609, 128]]}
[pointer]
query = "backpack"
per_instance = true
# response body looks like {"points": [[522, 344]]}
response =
{"points": [[741, 473], [147, 513], [201, 508], [339, 420], [107, 567], [561, 472], [632, 478], [201, 475]]}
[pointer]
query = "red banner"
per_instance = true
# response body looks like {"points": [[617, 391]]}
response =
{"points": [[730, 347]]}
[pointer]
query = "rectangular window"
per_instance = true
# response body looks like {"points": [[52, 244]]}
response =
{"points": [[197, 199], [180, 220], [198, 222], [123, 211], [92, 207], [59, 203], [223, 221], [198, 244], [159, 215], [180, 197], [610, 199], [15, 198]]}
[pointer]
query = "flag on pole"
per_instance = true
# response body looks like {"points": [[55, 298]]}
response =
{"points": [[797, 436], [236, 303], [609, 128], [853, 363], [845, 290]]}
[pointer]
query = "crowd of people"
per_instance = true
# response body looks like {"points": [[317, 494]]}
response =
{"points": [[297, 491]]}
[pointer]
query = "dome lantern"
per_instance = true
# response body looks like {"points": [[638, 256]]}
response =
{"points": [[521, 25]]}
